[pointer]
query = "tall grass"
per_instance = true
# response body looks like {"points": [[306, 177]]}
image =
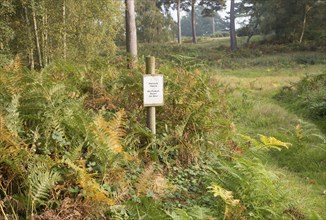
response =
{"points": [[307, 98]]}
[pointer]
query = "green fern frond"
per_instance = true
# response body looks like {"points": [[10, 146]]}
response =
{"points": [[201, 213], [179, 214], [188, 62], [253, 184], [56, 90], [13, 121], [75, 153], [41, 180]]}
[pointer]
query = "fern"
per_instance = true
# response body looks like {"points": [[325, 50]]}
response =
{"points": [[116, 132], [267, 143], [55, 121], [179, 214], [187, 62], [14, 152], [152, 183], [144, 180], [74, 154], [13, 121], [14, 66], [200, 213], [254, 185], [107, 136], [8, 140], [59, 119], [110, 133], [55, 93], [41, 180], [225, 195], [192, 213], [92, 190], [271, 142]]}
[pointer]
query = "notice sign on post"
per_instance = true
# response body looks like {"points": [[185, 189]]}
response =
{"points": [[153, 90]]}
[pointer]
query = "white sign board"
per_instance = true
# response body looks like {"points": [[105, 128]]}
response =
{"points": [[153, 90]]}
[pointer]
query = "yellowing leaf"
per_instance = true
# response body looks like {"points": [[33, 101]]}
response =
{"points": [[250, 139], [273, 142], [110, 133], [224, 194]]}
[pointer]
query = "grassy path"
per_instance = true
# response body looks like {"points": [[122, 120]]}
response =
{"points": [[253, 76], [301, 169]]}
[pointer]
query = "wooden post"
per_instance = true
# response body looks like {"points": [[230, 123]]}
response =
{"points": [[151, 111]]}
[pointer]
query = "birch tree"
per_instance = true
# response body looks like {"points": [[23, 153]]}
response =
{"points": [[176, 5], [36, 34], [131, 32], [193, 22], [179, 20]]}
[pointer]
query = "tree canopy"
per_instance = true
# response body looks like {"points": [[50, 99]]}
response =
{"points": [[52, 30], [41, 31], [204, 24], [152, 24], [286, 20]]}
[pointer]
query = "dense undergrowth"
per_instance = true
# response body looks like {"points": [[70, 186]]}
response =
{"points": [[215, 53], [74, 145], [73, 139], [307, 97]]}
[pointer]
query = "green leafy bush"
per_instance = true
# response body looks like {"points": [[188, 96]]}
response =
{"points": [[67, 120], [254, 186], [221, 34], [49, 135], [307, 97]]}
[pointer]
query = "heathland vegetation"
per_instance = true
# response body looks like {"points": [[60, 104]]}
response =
{"points": [[241, 134]]}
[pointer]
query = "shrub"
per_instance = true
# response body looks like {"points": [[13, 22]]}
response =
{"points": [[307, 97], [65, 150], [221, 34]]}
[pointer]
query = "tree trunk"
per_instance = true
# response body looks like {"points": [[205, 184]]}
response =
{"points": [[131, 32], [179, 22], [213, 23], [31, 58], [64, 34], [45, 37], [307, 9], [233, 39], [193, 22], [31, 46], [37, 41], [251, 34]]}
